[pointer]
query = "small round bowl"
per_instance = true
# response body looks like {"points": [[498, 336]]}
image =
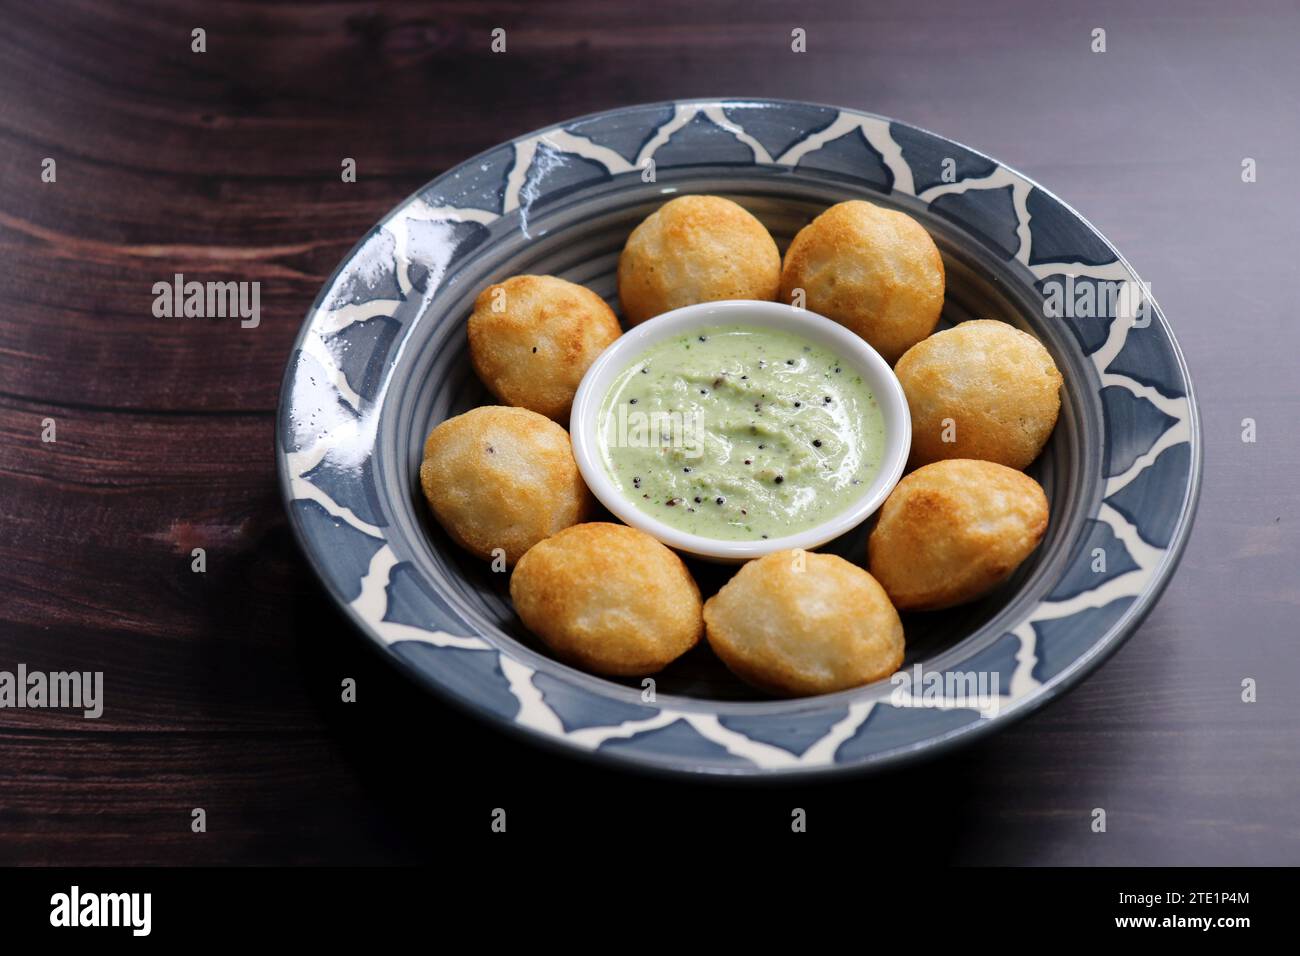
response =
{"points": [[584, 421]]}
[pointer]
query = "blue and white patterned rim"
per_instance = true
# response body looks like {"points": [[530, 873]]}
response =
{"points": [[337, 381]]}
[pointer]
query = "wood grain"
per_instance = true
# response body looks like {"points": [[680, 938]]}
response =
{"points": [[223, 688]]}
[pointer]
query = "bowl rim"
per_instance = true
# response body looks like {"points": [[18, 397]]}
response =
{"points": [[1108, 639], [584, 421]]}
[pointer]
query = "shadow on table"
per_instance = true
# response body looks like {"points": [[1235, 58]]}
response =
{"points": [[433, 773]]}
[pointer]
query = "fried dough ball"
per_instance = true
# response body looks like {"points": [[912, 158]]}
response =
{"points": [[953, 531], [500, 477], [797, 623], [982, 389], [609, 599], [532, 338], [873, 270], [696, 249]]}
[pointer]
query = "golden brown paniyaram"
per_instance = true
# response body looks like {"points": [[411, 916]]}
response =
{"points": [[532, 338], [873, 270], [797, 623], [982, 389], [953, 531], [609, 599], [696, 249], [500, 477]]}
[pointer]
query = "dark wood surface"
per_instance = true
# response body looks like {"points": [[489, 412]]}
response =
{"points": [[222, 688]]}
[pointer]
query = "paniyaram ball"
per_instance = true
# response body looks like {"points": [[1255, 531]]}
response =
{"points": [[797, 623], [873, 270], [696, 249], [982, 389], [532, 338], [609, 599], [953, 531], [502, 478]]}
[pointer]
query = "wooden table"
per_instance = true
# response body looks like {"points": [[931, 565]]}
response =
{"points": [[222, 688]]}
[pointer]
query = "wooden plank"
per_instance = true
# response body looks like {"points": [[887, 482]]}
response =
{"points": [[222, 688]]}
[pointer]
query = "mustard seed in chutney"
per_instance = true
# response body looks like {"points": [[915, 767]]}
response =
{"points": [[758, 432]]}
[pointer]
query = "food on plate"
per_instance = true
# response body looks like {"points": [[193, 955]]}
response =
{"points": [[532, 338], [954, 530], [798, 623], [696, 249], [609, 599], [744, 432], [501, 479], [982, 389], [741, 433], [871, 269]]}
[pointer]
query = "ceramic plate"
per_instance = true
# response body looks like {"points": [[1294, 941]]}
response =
{"points": [[382, 358]]}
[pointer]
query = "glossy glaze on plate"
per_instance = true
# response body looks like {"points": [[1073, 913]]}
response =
{"points": [[382, 358]]}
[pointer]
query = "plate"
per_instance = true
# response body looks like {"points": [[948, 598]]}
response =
{"points": [[383, 356]]}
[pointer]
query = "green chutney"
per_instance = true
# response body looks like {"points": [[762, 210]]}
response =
{"points": [[740, 433]]}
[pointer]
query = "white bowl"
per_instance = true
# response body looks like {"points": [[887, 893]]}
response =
{"points": [[584, 421]]}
